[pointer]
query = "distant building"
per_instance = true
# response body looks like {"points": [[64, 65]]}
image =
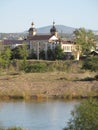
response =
{"points": [[68, 47], [12, 43], [38, 43]]}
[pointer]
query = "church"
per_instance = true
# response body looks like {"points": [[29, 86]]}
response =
{"points": [[42, 42], [39, 42]]}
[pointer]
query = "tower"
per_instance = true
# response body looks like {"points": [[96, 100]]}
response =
{"points": [[53, 30], [32, 30]]}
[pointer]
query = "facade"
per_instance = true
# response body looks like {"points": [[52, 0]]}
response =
{"points": [[37, 43], [43, 42], [67, 46]]}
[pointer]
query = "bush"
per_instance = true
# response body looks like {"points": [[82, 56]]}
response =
{"points": [[36, 67], [85, 116], [91, 63], [43, 66], [39, 66]]}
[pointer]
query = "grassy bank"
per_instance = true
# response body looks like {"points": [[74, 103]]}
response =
{"points": [[47, 79], [47, 85]]}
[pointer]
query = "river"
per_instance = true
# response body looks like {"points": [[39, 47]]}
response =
{"points": [[36, 115]]}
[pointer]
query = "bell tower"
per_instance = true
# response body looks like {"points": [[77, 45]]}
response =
{"points": [[53, 30], [32, 31]]}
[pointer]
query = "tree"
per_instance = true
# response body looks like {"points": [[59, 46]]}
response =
{"points": [[85, 116], [16, 53], [32, 55], [58, 52], [84, 42], [5, 57], [23, 51], [42, 54], [50, 54]]}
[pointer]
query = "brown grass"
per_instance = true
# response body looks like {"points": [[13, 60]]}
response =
{"points": [[47, 85]]}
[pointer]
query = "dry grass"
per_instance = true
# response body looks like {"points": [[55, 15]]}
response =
{"points": [[44, 85]]}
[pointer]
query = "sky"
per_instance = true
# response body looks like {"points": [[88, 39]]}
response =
{"points": [[17, 15]]}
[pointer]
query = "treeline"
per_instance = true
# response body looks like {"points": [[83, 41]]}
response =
{"points": [[20, 60], [51, 54]]}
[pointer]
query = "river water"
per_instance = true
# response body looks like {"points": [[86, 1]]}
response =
{"points": [[36, 115]]}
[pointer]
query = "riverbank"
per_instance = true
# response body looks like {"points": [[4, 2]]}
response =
{"points": [[47, 85]]}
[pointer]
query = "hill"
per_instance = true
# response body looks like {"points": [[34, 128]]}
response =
{"points": [[63, 30], [60, 28]]}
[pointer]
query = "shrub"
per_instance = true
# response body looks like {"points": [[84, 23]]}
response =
{"points": [[91, 63], [85, 116], [36, 67]]}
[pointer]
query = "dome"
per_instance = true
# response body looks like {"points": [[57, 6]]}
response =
{"points": [[53, 29], [32, 24], [32, 30], [32, 27]]}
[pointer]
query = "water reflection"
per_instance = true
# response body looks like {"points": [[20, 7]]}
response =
{"points": [[50, 115]]}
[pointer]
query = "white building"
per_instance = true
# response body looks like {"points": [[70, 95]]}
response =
{"points": [[43, 42], [38, 43]]}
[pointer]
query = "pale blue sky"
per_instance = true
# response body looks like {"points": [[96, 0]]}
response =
{"points": [[17, 15]]}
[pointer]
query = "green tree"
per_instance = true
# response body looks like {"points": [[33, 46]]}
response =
{"points": [[58, 52], [85, 116], [16, 53], [23, 51], [50, 54], [42, 54], [32, 55], [84, 42], [5, 57]]}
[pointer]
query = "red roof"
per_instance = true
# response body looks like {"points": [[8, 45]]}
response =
{"points": [[8, 42], [40, 37], [67, 42]]}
